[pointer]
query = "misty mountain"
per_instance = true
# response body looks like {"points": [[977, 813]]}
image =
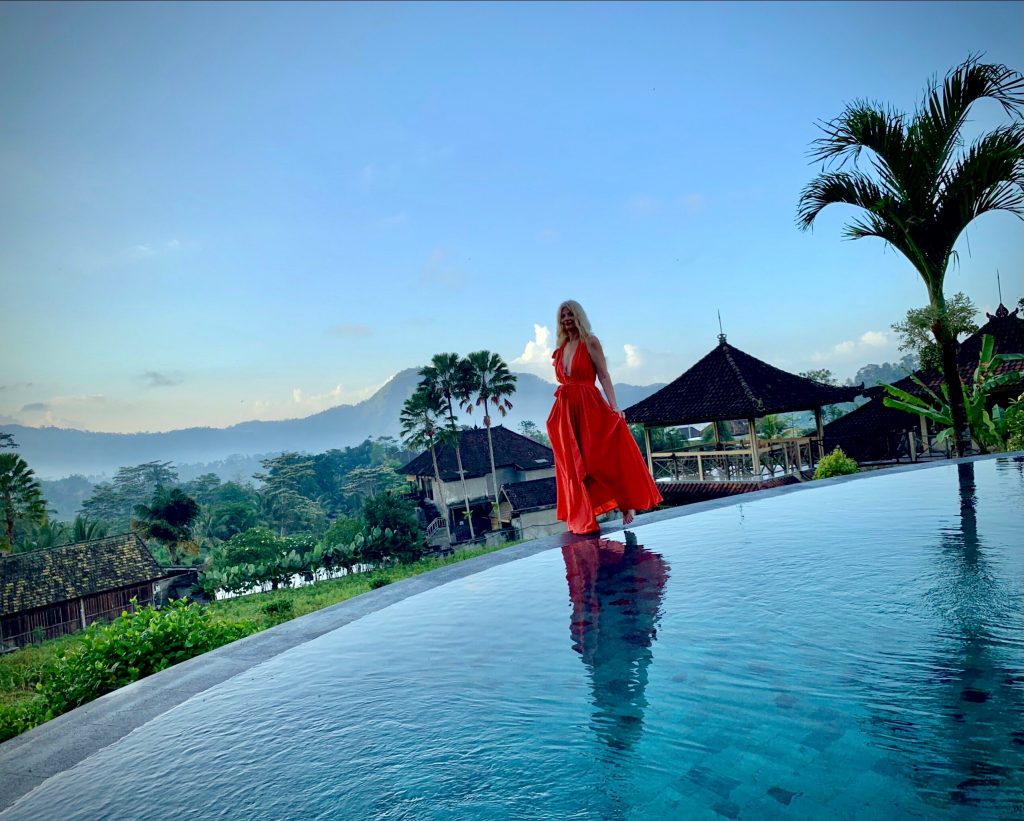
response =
{"points": [[57, 452]]}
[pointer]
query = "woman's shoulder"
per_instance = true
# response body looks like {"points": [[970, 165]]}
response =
{"points": [[593, 343]]}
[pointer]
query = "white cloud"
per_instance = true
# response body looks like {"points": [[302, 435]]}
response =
{"points": [[633, 358], [870, 343], [536, 355]]}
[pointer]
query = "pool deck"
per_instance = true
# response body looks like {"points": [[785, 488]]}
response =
{"points": [[28, 760]]}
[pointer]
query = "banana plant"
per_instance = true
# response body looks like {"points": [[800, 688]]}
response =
{"points": [[986, 432]]}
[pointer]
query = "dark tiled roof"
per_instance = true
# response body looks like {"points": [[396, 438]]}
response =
{"points": [[43, 577], [510, 450], [731, 384], [532, 494]]}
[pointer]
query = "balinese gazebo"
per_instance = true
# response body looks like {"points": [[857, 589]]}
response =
{"points": [[729, 384]]}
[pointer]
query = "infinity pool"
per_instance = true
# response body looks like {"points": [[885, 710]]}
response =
{"points": [[848, 650]]}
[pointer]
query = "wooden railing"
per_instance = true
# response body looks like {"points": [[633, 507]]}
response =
{"points": [[776, 457], [438, 524]]}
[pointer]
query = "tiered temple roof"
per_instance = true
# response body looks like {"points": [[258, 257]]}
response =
{"points": [[731, 384]]}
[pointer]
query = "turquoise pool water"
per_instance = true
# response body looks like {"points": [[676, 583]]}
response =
{"points": [[853, 650]]}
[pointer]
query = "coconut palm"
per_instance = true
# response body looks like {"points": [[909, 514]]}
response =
{"points": [[447, 381], [920, 188], [21, 496], [493, 384], [420, 429]]}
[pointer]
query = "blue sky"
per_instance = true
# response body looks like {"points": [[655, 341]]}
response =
{"points": [[218, 212]]}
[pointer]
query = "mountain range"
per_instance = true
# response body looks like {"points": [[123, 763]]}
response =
{"points": [[56, 452]]}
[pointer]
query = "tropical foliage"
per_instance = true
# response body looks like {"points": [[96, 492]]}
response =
{"points": [[493, 384], [915, 330], [990, 430], [447, 382], [20, 496], [168, 520], [836, 463], [919, 188]]}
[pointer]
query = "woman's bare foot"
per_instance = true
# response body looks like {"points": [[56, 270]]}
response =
{"points": [[627, 516]]}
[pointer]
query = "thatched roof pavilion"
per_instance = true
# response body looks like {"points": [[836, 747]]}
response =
{"points": [[731, 384]]}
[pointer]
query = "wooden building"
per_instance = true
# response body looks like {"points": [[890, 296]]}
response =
{"points": [[49, 593], [529, 508], [876, 434], [729, 384]]}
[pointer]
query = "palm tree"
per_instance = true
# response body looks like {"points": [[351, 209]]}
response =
{"points": [[84, 530], [420, 430], [21, 496], [447, 382], [168, 519], [921, 188], [493, 385]]}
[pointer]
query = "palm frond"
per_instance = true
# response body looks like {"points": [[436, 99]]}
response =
{"points": [[988, 177], [841, 188]]}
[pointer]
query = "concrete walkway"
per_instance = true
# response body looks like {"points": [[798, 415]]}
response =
{"points": [[31, 758]]}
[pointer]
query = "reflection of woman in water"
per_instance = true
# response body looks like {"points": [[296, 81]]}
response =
{"points": [[616, 592], [598, 466]]}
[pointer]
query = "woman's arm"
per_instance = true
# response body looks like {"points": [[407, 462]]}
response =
{"points": [[601, 366]]}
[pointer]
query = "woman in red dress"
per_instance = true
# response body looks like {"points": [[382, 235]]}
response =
{"points": [[598, 466]]}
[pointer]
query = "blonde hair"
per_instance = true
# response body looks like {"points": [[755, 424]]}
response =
{"points": [[582, 323]]}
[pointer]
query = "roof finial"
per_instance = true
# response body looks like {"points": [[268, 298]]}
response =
{"points": [[721, 333], [999, 285]]}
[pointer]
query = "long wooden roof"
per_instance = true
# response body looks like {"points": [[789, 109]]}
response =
{"points": [[44, 577], [731, 384]]}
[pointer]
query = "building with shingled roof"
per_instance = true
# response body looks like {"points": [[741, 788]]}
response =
{"points": [[50, 593], [517, 458], [530, 508], [875, 433]]}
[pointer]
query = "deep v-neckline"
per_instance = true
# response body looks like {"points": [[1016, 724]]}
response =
{"points": [[567, 370]]}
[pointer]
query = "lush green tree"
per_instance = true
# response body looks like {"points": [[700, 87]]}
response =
{"points": [[447, 382], [168, 519], [204, 489], [921, 189], [343, 530], [84, 530], [531, 431], [421, 429], [915, 330], [707, 436], [493, 384], [7, 440], [20, 496], [403, 540], [114, 502]]}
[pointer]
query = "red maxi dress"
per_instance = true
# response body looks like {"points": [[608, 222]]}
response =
{"points": [[598, 466]]}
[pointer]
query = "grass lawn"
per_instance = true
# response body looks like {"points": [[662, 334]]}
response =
{"points": [[20, 670]]}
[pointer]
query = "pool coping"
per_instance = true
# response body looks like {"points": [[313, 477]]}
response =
{"points": [[30, 759]]}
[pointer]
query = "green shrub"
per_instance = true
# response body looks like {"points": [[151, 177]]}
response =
{"points": [[22, 716], [836, 463], [279, 610], [378, 581], [134, 646]]}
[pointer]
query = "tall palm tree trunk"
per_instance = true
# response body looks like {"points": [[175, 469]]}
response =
{"points": [[494, 472], [440, 491], [951, 373], [465, 492]]}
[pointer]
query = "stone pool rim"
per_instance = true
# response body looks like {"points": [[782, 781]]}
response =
{"points": [[30, 759]]}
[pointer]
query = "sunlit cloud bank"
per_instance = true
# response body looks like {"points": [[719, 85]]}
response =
{"points": [[536, 355], [876, 346]]}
